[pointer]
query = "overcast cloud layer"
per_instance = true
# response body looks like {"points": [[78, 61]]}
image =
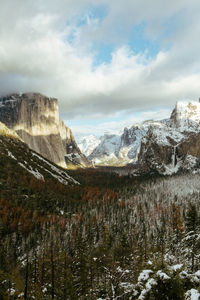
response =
{"points": [[47, 46]]}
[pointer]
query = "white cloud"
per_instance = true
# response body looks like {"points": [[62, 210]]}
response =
{"points": [[35, 54]]}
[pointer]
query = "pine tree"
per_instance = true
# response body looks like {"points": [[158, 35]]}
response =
{"points": [[176, 232], [192, 223]]}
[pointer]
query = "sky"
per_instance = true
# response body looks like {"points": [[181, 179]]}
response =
{"points": [[110, 63]]}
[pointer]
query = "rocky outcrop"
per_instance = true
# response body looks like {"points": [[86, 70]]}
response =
{"points": [[35, 118], [190, 145], [5, 131], [186, 116], [153, 155]]}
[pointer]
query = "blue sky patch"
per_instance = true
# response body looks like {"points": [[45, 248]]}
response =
{"points": [[103, 53], [139, 44]]}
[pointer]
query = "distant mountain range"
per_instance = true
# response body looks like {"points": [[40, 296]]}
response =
{"points": [[165, 146]]}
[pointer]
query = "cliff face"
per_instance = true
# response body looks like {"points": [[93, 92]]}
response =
{"points": [[190, 146], [158, 152], [174, 144], [35, 118], [172, 157]]}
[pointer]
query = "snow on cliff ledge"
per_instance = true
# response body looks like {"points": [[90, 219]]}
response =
{"points": [[186, 116]]}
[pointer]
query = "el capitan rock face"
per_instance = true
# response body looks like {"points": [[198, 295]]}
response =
{"points": [[36, 120]]}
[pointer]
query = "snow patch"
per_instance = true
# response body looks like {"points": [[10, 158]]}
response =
{"points": [[144, 275], [61, 176], [192, 294], [176, 267], [35, 173], [162, 275], [171, 169], [11, 155]]}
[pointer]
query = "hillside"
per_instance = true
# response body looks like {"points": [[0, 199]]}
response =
{"points": [[17, 157]]}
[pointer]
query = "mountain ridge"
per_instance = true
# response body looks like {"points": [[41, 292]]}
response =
{"points": [[150, 145]]}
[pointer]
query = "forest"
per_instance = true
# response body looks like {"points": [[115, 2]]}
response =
{"points": [[111, 237]]}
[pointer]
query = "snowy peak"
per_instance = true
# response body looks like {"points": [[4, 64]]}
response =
{"points": [[186, 115], [187, 110], [114, 149], [107, 149], [88, 143], [173, 145]]}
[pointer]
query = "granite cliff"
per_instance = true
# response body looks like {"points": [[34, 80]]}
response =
{"points": [[35, 118], [174, 144]]}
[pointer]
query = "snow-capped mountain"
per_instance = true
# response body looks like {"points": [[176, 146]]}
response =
{"points": [[165, 146], [88, 143], [115, 149]]}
